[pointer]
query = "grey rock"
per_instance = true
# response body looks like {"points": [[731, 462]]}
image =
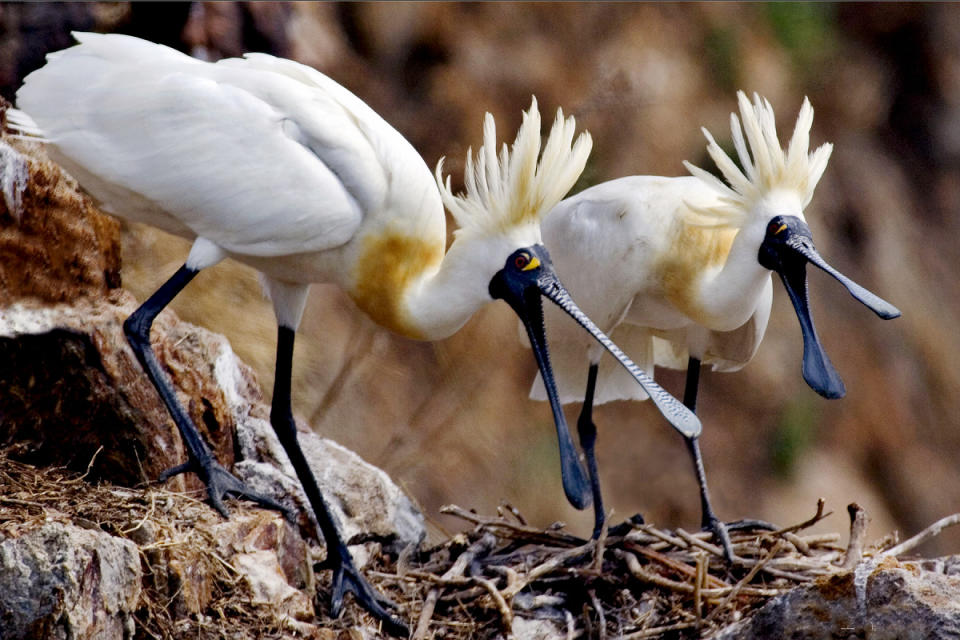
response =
{"points": [[14, 176], [536, 629], [61, 581], [132, 424], [886, 600], [364, 499]]}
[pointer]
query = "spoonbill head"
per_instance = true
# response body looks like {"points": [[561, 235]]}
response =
{"points": [[500, 213], [677, 270], [765, 202]]}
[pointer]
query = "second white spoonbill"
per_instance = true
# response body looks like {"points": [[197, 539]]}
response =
{"points": [[677, 270]]}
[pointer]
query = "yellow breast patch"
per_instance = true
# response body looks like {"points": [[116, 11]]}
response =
{"points": [[388, 264], [693, 250]]}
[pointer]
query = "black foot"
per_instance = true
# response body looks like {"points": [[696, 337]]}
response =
{"points": [[748, 525], [722, 536], [626, 526], [346, 579], [223, 484], [721, 532]]}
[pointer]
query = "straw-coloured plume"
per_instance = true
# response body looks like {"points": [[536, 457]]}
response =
{"points": [[514, 189], [766, 166]]}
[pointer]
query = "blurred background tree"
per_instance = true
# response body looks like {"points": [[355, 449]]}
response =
{"points": [[451, 421]]}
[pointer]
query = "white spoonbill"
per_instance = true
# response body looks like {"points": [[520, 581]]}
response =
{"points": [[272, 163], [686, 265]]}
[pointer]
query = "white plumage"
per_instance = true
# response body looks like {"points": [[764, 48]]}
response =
{"points": [[630, 229], [215, 150], [680, 256]]}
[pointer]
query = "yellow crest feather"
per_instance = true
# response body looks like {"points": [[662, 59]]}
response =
{"points": [[518, 187], [766, 166]]}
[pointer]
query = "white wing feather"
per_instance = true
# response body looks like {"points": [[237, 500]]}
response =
{"points": [[228, 148]]}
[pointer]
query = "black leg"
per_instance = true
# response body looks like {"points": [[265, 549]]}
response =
{"points": [[709, 520], [346, 577], [588, 440], [690, 390], [219, 481]]}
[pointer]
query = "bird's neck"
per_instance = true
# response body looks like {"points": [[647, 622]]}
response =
{"points": [[729, 294], [709, 272], [409, 286], [725, 290]]}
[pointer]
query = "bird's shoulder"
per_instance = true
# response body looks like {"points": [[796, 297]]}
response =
{"points": [[374, 160], [617, 217]]}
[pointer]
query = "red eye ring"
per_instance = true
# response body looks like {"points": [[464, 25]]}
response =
{"points": [[521, 261]]}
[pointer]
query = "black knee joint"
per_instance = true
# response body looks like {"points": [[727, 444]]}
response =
{"points": [[587, 431], [136, 330]]}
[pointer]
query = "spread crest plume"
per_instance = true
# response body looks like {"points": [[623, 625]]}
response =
{"points": [[770, 167], [514, 189]]}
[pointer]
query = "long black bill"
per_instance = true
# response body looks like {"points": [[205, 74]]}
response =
{"points": [[787, 249], [872, 301], [576, 484], [818, 371], [528, 274]]}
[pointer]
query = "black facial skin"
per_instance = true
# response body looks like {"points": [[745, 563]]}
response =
{"points": [[527, 275], [786, 249], [521, 290]]}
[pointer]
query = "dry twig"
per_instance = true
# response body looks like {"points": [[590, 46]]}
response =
{"points": [[858, 531], [911, 543]]}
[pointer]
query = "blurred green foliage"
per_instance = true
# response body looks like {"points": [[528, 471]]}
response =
{"points": [[793, 435], [720, 50], [807, 30]]}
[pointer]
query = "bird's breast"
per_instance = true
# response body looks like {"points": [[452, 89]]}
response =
{"points": [[389, 264], [694, 253]]}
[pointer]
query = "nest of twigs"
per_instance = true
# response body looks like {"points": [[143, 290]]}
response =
{"points": [[637, 581]]}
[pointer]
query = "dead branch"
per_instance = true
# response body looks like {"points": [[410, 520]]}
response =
{"points": [[911, 543], [858, 531], [483, 545]]}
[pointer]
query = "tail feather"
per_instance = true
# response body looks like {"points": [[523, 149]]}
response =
{"points": [[21, 126]]}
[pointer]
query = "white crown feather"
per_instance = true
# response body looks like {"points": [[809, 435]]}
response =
{"points": [[514, 189], [766, 167]]}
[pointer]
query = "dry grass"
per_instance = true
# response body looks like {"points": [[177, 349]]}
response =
{"points": [[157, 521]]}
